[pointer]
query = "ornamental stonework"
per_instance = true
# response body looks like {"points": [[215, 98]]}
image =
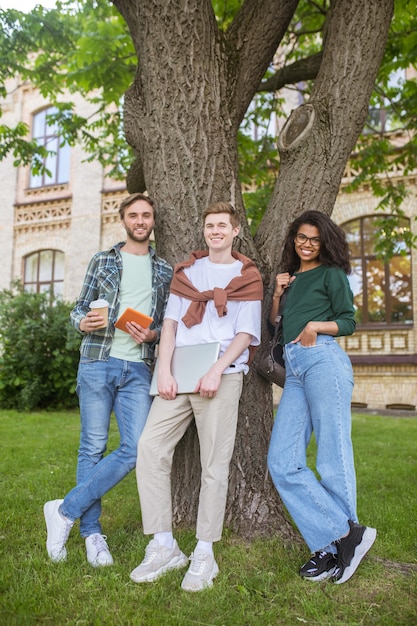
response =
{"points": [[47, 215], [110, 206]]}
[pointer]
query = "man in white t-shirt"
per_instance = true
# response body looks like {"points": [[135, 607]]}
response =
{"points": [[215, 296]]}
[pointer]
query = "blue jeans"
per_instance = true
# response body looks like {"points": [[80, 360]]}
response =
{"points": [[103, 387], [317, 396]]}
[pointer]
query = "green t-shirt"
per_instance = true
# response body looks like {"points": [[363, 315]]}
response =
{"points": [[322, 294], [135, 292]]}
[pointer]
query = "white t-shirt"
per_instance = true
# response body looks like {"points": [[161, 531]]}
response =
{"points": [[241, 317]]}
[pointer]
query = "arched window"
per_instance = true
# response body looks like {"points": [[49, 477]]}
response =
{"points": [[382, 289], [46, 133], [44, 271]]}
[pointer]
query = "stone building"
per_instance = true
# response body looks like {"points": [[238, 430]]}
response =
{"points": [[51, 226], [383, 348]]}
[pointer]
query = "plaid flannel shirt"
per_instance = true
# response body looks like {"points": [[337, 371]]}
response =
{"points": [[102, 280]]}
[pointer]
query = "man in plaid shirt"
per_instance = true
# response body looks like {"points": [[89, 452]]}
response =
{"points": [[114, 374]]}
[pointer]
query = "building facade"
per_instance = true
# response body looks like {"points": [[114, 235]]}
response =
{"points": [[53, 223], [383, 348]]}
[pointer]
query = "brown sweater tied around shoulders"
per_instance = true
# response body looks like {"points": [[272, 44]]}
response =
{"points": [[247, 286]]}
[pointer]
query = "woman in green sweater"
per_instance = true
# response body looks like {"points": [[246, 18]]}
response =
{"points": [[317, 397]]}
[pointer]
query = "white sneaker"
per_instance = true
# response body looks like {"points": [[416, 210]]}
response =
{"points": [[158, 560], [58, 529], [201, 572], [98, 553]]}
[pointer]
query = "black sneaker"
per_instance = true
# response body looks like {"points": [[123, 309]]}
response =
{"points": [[351, 550], [321, 566]]}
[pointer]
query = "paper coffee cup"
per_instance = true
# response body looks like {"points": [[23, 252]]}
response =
{"points": [[102, 307]]}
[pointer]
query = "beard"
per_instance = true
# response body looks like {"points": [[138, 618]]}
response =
{"points": [[138, 238]]}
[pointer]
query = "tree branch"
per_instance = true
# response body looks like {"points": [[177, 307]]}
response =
{"points": [[255, 35], [302, 70]]}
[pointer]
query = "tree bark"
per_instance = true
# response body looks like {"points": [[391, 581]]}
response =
{"points": [[192, 88]]}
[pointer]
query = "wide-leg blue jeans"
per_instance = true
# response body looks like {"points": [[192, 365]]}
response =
{"points": [[316, 397], [102, 387]]}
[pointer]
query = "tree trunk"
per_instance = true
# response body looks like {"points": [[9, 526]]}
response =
{"points": [[182, 114], [318, 138]]}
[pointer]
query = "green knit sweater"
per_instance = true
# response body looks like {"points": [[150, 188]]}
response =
{"points": [[322, 294]]}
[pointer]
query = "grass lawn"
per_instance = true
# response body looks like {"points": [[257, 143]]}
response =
{"points": [[258, 582]]}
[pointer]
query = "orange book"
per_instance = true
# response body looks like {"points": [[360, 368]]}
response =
{"points": [[130, 315]]}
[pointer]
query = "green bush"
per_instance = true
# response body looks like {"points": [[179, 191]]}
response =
{"points": [[39, 351]]}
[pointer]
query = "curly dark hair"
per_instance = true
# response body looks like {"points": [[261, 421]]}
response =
{"points": [[334, 250]]}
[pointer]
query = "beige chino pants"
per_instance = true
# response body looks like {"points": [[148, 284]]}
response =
{"points": [[216, 421]]}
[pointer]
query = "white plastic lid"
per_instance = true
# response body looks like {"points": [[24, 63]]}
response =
{"points": [[98, 304]]}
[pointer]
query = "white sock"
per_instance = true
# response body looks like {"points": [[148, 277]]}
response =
{"points": [[204, 546], [164, 539]]}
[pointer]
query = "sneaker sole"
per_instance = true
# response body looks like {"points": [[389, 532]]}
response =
{"points": [[365, 545], [207, 584], [176, 563], [96, 563]]}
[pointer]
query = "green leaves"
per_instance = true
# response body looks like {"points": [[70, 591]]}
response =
{"points": [[103, 59], [394, 235], [40, 351], [81, 47]]}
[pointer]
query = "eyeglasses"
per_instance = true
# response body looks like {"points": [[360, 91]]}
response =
{"points": [[301, 238]]}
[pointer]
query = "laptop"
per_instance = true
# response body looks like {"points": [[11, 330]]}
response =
{"points": [[189, 364]]}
